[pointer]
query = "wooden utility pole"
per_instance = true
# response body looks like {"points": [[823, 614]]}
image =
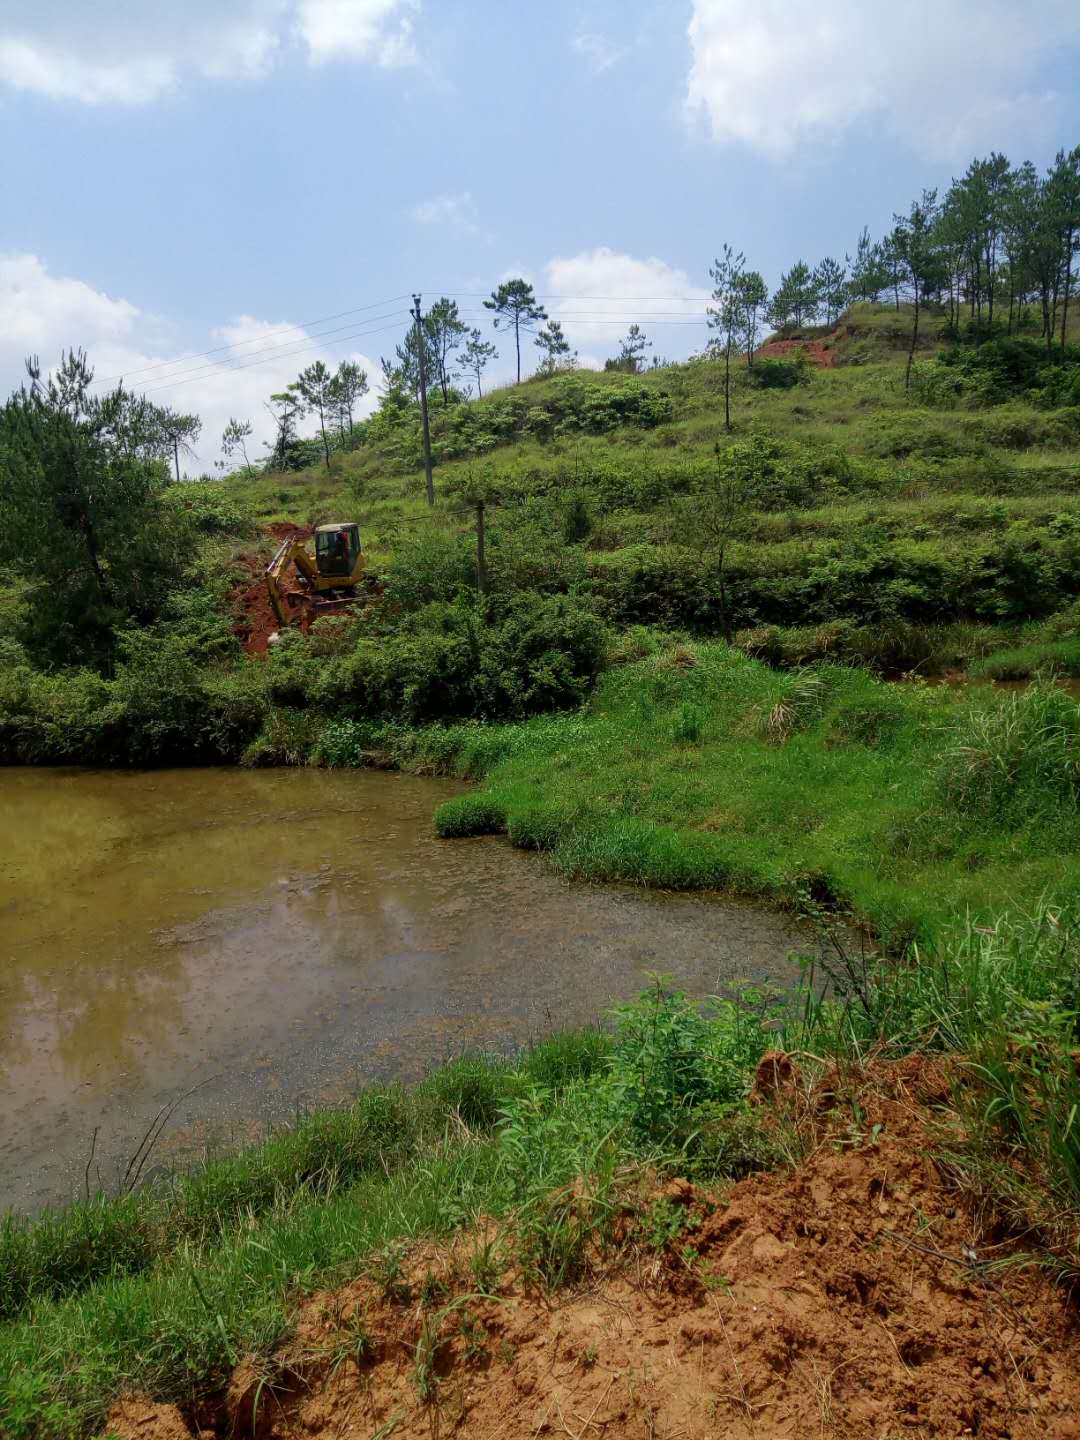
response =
{"points": [[423, 399], [481, 559]]}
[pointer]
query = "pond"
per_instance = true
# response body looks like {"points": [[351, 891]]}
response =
{"points": [[245, 944]]}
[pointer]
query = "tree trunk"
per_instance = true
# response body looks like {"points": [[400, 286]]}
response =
{"points": [[1068, 280], [914, 341], [727, 386], [721, 589], [92, 551], [481, 558], [517, 345], [176, 457]]}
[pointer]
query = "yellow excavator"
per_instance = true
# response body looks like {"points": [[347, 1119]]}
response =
{"points": [[324, 584]]}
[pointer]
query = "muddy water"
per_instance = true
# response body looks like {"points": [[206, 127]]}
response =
{"points": [[268, 940]]}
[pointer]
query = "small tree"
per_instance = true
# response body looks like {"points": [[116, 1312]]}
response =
{"points": [[234, 438], [555, 348], [796, 300], [515, 307], [348, 385], [1063, 191], [315, 389], [179, 433], [725, 314], [869, 272], [631, 355], [717, 513], [408, 358], [830, 284], [752, 298], [476, 356], [446, 332], [287, 409], [917, 255]]}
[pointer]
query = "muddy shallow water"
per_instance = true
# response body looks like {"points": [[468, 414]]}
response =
{"points": [[274, 938]]}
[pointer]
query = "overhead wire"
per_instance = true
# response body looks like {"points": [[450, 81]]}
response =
{"points": [[304, 325], [275, 352], [308, 340], [299, 350]]}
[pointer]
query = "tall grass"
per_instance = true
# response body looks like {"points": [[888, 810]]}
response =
{"points": [[695, 767], [1004, 1000], [323, 1156]]}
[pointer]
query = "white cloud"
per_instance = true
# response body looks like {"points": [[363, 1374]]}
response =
{"points": [[41, 314], [446, 210], [950, 77], [597, 52], [134, 51], [376, 30], [597, 294]]}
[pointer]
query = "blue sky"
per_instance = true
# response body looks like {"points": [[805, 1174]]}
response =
{"points": [[181, 177]]}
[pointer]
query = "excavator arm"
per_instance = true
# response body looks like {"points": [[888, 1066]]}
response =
{"points": [[288, 551]]}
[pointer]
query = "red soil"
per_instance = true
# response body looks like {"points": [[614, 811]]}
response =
{"points": [[848, 1297], [256, 619], [818, 352]]}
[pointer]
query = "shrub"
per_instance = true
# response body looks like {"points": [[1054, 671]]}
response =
{"points": [[470, 815], [1016, 757], [776, 374], [669, 1058]]}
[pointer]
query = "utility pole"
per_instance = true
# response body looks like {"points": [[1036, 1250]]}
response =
{"points": [[481, 558], [423, 400]]}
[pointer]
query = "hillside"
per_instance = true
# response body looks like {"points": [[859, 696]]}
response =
{"points": [[881, 529]]}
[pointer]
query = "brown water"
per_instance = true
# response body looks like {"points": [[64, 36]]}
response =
{"points": [[275, 938]]}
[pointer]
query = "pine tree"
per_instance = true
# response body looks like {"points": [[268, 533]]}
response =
{"points": [[515, 307], [476, 356]]}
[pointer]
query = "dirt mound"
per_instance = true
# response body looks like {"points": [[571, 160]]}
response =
{"points": [[139, 1419], [256, 620], [852, 1297], [820, 352]]}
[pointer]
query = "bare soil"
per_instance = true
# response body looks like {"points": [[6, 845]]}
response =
{"points": [[851, 1296], [821, 352], [256, 620]]}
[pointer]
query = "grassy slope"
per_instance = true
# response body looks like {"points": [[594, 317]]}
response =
{"points": [[935, 489], [697, 768]]}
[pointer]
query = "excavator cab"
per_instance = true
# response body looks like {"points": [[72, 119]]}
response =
{"points": [[337, 549], [323, 585]]}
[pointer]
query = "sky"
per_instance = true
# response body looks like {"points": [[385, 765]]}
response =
{"points": [[209, 195]]}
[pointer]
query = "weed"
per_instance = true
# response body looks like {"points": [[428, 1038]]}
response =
{"points": [[486, 1267]]}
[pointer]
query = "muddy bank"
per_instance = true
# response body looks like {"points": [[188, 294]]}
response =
{"points": [[854, 1295], [269, 940]]}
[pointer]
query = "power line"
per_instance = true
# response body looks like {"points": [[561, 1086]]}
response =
{"points": [[225, 366], [613, 299], [258, 339], [216, 372], [306, 326], [315, 340]]}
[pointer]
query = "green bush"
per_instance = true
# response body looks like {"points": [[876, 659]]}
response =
{"points": [[776, 374], [453, 661], [1015, 758], [469, 815], [669, 1057]]}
